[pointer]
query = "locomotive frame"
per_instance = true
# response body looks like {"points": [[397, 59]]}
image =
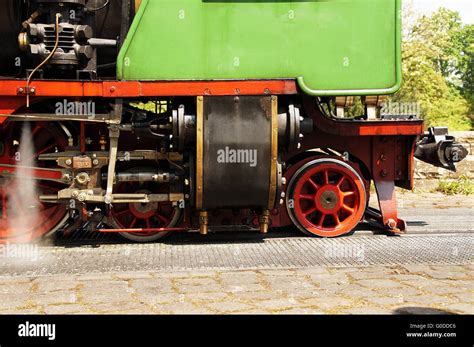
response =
{"points": [[320, 167]]}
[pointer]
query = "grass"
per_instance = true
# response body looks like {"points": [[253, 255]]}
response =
{"points": [[463, 185]]}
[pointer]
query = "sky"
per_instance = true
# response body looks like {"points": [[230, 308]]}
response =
{"points": [[464, 7]]}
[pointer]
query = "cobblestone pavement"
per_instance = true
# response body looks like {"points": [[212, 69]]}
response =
{"points": [[430, 270], [377, 289]]}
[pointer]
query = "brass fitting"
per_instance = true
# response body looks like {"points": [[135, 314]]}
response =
{"points": [[264, 221], [102, 142], [23, 41], [203, 222]]}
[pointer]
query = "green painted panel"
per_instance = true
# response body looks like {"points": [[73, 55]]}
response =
{"points": [[333, 47]]}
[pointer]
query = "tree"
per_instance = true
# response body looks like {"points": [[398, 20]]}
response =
{"points": [[437, 68]]}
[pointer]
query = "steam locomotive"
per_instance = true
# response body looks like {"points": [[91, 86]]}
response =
{"points": [[157, 116]]}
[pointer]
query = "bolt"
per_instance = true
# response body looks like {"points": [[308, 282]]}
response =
{"points": [[68, 161], [75, 194], [283, 180], [299, 145], [33, 30], [283, 194], [34, 49], [85, 52], [82, 197], [301, 119], [108, 199], [282, 201], [391, 223], [383, 157], [21, 90], [84, 32], [112, 89], [301, 136], [384, 173], [95, 162]]}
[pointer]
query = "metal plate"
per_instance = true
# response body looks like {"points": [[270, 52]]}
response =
{"points": [[237, 151]]}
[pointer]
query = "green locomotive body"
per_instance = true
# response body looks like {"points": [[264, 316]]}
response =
{"points": [[332, 47]]}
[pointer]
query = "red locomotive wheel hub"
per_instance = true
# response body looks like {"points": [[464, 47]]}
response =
{"points": [[328, 198], [20, 223]]}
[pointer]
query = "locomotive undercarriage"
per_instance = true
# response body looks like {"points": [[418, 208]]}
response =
{"points": [[187, 164], [146, 158]]}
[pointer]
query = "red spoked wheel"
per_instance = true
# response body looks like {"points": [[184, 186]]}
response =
{"points": [[327, 198], [152, 215], [26, 218]]}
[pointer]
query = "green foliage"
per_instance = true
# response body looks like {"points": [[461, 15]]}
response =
{"points": [[357, 109], [467, 65], [151, 106], [437, 58], [463, 185]]}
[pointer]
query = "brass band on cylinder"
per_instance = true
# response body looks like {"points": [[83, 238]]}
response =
{"points": [[199, 151], [274, 154]]}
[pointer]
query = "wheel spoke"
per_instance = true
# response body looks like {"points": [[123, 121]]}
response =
{"points": [[35, 129], [134, 221], [326, 176], [306, 197], [148, 224], [341, 180], [313, 184], [310, 211], [349, 193], [44, 150], [336, 219], [163, 219], [321, 220], [348, 209]]}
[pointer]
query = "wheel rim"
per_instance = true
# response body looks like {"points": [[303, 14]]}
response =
{"points": [[328, 198], [47, 217], [143, 215]]}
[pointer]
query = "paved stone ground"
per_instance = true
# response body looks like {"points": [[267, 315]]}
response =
{"points": [[434, 285], [377, 289]]}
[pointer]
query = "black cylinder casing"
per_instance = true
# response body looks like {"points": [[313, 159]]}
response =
{"points": [[237, 150]]}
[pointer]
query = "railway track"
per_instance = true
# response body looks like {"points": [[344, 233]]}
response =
{"points": [[426, 243]]}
